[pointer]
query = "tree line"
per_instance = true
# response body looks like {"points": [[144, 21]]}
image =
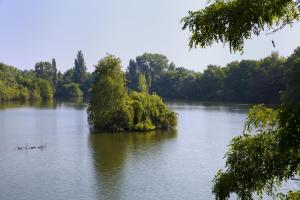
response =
{"points": [[246, 81], [45, 82]]}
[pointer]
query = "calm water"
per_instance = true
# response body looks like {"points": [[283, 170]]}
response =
{"points": [[79, 165]]}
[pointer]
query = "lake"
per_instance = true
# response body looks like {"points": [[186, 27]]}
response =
{"points": [[77, 164]]}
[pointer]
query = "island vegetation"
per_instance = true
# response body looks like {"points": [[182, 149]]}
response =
{"points": [[268, 151], [112, 108]]}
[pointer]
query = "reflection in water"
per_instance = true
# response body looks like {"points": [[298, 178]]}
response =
{"points": [[76, 103], [50, 104], [210, 106], [110, 152], [119, 166]]}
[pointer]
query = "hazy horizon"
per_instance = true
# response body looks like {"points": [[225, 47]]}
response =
{"points": [[35, 31]]}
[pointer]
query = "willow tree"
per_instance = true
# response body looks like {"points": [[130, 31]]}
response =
{"points": [[268, 151], [233, 21]]}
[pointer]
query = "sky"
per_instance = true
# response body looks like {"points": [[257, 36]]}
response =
{"points": [[39, 30]]}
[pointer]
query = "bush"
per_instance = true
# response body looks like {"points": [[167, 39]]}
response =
{"points": [[45, 89], [70, 90], [150, 112]]}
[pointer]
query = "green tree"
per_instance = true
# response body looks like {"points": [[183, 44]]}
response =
{"points": [[233, 21], [268, 151], [264, 156], [176, 84], [53, 63], [87, 84], [150, 113], [291, 94], [71, 90], [112, 109], [45, 70], [148, 64], [108, 95], [68, 76], [142, 85], [156, 62], [46, 90], [132, 75], [80, 69], [211, 83], [21, 85]]}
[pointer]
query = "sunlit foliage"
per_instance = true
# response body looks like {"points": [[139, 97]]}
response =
{"points": [[254, 81], [233, 21], [264, 156], [22, 85], [268, 152], [111, 108]]}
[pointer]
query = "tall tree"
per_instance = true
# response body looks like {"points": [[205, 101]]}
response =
{"points": [[80, 69], [45, 70], [142, 85], [151, 65], [54, 71], [132, 73], [108, 94]]}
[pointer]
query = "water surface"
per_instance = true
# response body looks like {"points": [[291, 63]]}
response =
{"points": [[127, 166]]}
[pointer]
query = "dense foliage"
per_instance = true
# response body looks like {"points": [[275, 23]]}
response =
{"points": [[22, 85], [80, 69], [45, 81], [69, 90], [111, 108], [291, 196], [75, 82], [253, 81], [248, 81], [234, 21], [268, 152]]}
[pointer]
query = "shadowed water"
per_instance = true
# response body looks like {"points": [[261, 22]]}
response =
{"points": [[129, 166]]}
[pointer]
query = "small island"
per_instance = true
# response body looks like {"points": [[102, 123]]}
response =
{"points": [[112, 107]]}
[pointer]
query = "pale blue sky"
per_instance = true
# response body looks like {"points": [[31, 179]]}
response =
{"points": [[36, 30]]}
